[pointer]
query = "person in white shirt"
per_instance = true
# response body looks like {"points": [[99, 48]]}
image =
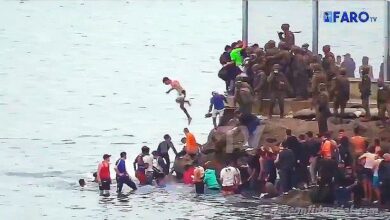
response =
{"points": [[375, 178], [148, 161], [365, 63], [230, 178], [369, 162]]}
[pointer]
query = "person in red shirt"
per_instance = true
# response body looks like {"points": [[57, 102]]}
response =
{"points": [[103, 175], [188, 173], [181, 99]]}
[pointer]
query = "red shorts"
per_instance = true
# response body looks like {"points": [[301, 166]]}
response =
{"points": [[141, 177], [229, 188]]}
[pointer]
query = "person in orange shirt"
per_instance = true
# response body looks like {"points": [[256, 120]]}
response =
{"points": [[327, 147], [191, 145]]}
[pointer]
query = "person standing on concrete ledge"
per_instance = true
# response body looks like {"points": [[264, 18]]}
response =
{"points": [[366, 65], [278, 86], [341, 93], [365, 90], [322, 109], [288, 37], [349, 65]]}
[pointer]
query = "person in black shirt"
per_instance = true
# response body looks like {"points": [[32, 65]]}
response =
{"points": [[314, 146], [285, 162], [345, 154], [163, 151], [254, 167], [291, 142], [225, 56], [302, 170]]}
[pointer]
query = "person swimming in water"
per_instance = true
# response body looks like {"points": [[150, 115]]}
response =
{"points": [[181, 99]]}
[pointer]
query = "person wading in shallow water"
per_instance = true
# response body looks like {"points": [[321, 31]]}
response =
{"points": [[181, 99], [122, 177], [163, 149], [103, 175]]}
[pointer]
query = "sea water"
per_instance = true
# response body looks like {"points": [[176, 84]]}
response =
{"points": [[83, 78]]}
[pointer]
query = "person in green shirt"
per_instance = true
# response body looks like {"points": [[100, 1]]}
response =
{"points": [[210, 178], [236, 57], [235, 54]]}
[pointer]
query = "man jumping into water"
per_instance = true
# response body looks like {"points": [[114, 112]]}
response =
{"points": [[175, 85]]}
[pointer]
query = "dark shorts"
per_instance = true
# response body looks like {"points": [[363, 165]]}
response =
{"points": [[105, 185], [367, 174], [199, 188]]}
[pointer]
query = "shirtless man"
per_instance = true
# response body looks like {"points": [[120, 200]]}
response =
{"points": [[289, 37], [175, 85]]}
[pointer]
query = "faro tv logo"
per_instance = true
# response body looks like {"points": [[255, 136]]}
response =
{"points": [[348, 17]]}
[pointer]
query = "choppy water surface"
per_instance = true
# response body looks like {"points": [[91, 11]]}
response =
{"points": [[83, 78]]}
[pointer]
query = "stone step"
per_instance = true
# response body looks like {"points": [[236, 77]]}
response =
{"points": [[291, 106]]}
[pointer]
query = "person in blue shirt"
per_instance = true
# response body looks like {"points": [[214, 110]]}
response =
{"points": [[217, 107], [122, 177]]}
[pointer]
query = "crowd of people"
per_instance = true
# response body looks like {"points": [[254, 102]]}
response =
{"points": [[281, 70], [149, 167], [342, 170], [337, 168]]}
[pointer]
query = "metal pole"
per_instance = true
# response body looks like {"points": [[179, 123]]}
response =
{"points": [[315, 26], [245, 22], [387, 42]]}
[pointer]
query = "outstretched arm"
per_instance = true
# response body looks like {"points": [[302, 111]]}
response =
{"points": [[135, 164], [98, 173], [170, 90], [173, 148], [210, 107]]}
